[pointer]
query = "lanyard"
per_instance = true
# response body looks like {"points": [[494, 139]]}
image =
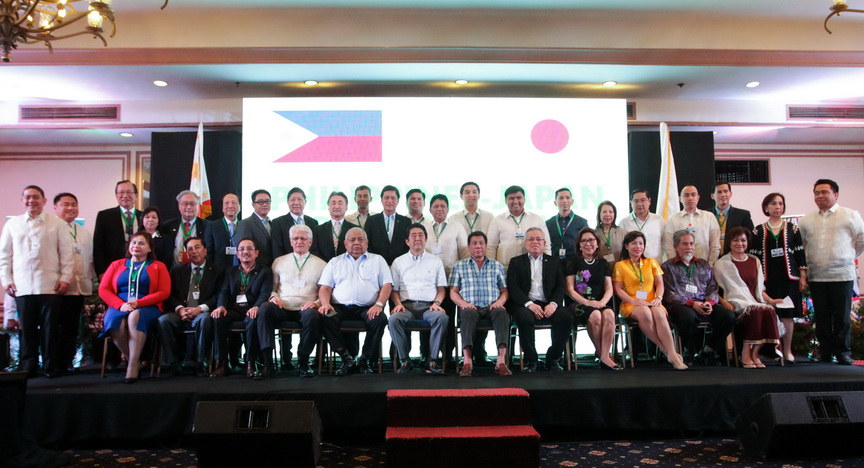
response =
{"points": [[607, 237], [74, 232], [470, 224], [689, 269], [520, 220], [637, 272], [187, 232], [244, 280], [437, 232], [636, 222], [724, 216], [776, 236], [128, 220], [134, 277], [230, 234], [567, 226], [299, 266]]}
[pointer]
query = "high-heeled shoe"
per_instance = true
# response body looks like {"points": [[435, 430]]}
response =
{"points": [[605, 366], [130, 380], [759, 364], [680, 365]]}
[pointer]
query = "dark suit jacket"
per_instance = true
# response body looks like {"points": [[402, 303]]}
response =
{"points": [[519, 280], [257, 291], [376, 230], [109, 238], [169, 229], [253, 228], [736, 217], [211, 283], [571, 234], [216, 239], [322, 240], [163, 248], [279, 233]]}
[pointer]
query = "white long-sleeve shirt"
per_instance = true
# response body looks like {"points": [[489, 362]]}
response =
{"points": [[833, 239], [706, 232], [35, 253]]}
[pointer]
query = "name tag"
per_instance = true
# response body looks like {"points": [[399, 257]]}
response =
{"points": [[196, 295], [437, 250], [562, 253], [642, 295], [609, 257], [519, 234], [778, 252], [241, 299], [722, 236], [691, 288], [230, 250], [299, 283], [78, 250]]}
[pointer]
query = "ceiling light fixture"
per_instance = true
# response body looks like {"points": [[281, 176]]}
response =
{"points": [[310, 82], [34, 21], [126, 135], [160, 83], [461, 82], [838, 7], [752, 84], [610, 84]]}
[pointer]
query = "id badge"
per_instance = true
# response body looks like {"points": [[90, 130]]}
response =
{"points": [[778, 252], [562, 253], [196, 295], [691, 288], [519, 234], [722, 236], [78, 250], [437, 250], [642, 295], [231, 251], [299, 283], [241, 299], [609, 258]]}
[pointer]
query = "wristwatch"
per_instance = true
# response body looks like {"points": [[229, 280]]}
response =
{"points": [[380, 304], [437, 302]]}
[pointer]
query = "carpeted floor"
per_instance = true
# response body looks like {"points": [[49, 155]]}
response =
{"points": [[703, 452]]}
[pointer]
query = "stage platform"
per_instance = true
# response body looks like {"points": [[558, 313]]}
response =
{"points": [[85, 408]]}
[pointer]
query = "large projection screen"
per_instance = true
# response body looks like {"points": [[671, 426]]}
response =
{"points": [[435, 144]]}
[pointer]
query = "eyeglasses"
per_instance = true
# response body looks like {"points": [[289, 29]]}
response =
{"points": [[125, 192], [298, 239], [261, 202], [188, 203], [246, 249], [68, 205], [588, 241]]}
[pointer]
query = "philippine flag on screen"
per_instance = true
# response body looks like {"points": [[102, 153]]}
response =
{"points": [[335, 136]]}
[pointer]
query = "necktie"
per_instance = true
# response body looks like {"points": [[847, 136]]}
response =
{"points": [[337, 229], [188, 227], [390, 229], [266, 224], [299, 220], [128, 225], [231, 231], [191, 301]]}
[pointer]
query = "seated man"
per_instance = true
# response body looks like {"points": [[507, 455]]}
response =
{"points": [[536, 287], [478, 286], [246, 287], [690, 296], [294, 297], [418, 289], [354, 286], [194, 290]]}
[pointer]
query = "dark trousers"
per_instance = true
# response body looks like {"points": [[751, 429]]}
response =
{"points": [[171, 328], [37, 314], [69, 320], [832, 303], [500, 323], [562, 326], [685, 320], [221, 326], [374, 328], [269, 317]]}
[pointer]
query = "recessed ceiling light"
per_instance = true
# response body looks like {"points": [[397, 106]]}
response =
{"points": [[126, 135], [610, 84], [461, 82], [715, 132], [752, 84], [310, 82], [160, 83]]}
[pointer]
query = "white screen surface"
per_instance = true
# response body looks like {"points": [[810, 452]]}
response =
{"points": [[435, 144]]}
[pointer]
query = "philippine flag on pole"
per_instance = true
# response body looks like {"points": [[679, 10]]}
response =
{"points": [[199, 183], [336, 136]]}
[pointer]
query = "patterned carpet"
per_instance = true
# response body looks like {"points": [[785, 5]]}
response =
{"points": [[704, 452]]}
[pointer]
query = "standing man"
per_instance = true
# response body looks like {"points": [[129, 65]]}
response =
{"points": [[728, 216], [642, 220], [507, 230], [564, 227], [188, 225], [833, 238], [221, 239], [114, 226], [194, 291], [702, 224], [282, 225], [83, 275], [690, 296], [418, 290], [329, 240], [387, 230], [258, 227], [36, 267], [478, 285], [362, 197], [245, 289], [471, 218], [294, 297], [535, 283], [354, 286], [415, 199]]}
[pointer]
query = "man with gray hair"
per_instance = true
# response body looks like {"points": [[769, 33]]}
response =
{"points": [[690, 296], [294, 298], [186, 226]]}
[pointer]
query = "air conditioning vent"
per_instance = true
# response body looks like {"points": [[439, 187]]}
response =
{"points": [[741, 171], [631, 111], [69, 113], [825, 113]]}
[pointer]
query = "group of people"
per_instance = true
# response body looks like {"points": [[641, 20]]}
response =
{"points": [[212, 276]]}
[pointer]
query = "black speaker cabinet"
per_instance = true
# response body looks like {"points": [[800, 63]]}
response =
{"points": [[4, 350], [257, 433], [803, 425]]}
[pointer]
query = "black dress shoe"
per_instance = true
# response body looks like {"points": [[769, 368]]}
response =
{"points": [[844, 360], [130, 380], [406, 368], [288, 366], [363, 366], [346, 368], [554, 367], [530, 368], [202, 370], [250, 370], [434, 369], [170, 371], [305, 372], [265, 373]]}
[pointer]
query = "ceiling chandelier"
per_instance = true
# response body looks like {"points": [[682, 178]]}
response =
{"points": [[838, 7], [33, 21]]}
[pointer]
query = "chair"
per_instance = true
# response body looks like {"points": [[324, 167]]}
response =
{"points": [[624, 330], [154, 363], [484, 324], [707, 329], [542, 324], [349, 326], [290, 327], [420, 325]]}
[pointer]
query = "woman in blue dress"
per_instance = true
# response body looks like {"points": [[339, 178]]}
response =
{"points": [[134, 288]]}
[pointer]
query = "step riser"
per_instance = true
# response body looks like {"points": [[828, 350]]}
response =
{"points": [[510, 452], [437, 412]]}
